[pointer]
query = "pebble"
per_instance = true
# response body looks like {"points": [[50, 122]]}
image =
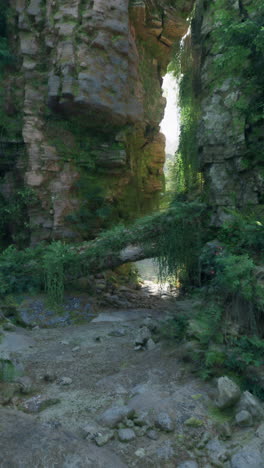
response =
{"points": [[164, 422], [126, 435], [140, 453], [77, 348], [142, 336], [25, 383], [150, 345], [65, 381], [103, 437], [244, 418], [153, 435]]}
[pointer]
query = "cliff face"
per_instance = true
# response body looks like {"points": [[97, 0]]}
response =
{"points": [[90, 75], [224, 53], [81, 104]]}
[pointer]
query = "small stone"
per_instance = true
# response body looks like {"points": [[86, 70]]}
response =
{"points": [[152, 434], [140, 453], [164, 422], [150, 324], [38, 403], [150, 345], [89, 431], [142, 336], [165, 451], [244, 418], [115, 415], [142, 418], [65, 381], [126, 435], [103, 437], [225, 431], [228, 393], [63, 342], [25, 384], [77, 348], [129, 423], [140, 431], [138, 348]]}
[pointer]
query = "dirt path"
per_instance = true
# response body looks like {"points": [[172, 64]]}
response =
{"points": [[77, 373]]}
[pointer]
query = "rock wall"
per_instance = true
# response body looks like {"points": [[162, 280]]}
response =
{"points": [[90, 76], [226, 87]]}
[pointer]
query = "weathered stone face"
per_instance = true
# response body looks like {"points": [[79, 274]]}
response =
{"points": [[98, 65]]}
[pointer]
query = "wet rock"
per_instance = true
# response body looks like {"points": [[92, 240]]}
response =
{"points": [[126, 435], [243, 418], [115, 415], [164, 422], [142, 336], [228, 393], [38, 403], [152, 434], [75, 349], [250, 404], [247, 457], [102, 438]]}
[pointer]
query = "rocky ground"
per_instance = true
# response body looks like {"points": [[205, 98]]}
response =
{"points": [[104, 394]]}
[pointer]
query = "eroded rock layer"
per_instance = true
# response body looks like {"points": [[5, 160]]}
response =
{"points": [[90, 81]]}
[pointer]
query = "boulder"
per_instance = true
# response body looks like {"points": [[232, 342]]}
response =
{"points": [[126, 435], [164, 422], [228, 393], [247, 457], [250, 404], [115, 415]]}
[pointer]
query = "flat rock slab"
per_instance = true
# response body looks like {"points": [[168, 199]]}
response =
{"points": [[29, 443]]}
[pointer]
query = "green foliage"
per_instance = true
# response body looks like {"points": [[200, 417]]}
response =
{"points": [[179, 248], [20, 270], [14, 216], [238, 43], [55, 258]]}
